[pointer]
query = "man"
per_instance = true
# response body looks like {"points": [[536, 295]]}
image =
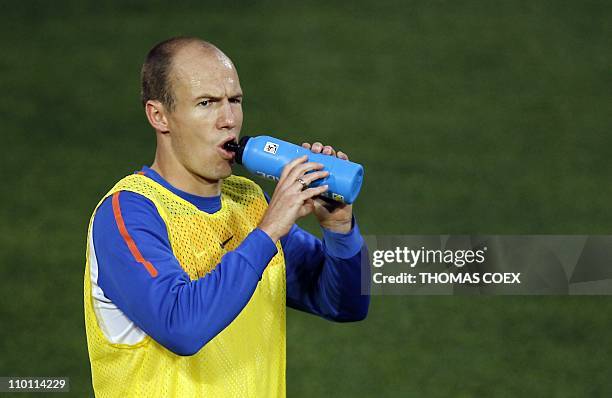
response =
{"points": [[189, 268]]}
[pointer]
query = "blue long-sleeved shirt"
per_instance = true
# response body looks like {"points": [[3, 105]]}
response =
{"points": [[323, 276]]}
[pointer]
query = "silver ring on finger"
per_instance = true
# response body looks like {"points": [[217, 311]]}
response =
{"points": [[304, 184]]}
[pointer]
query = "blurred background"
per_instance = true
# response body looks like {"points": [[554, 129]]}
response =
{"points": [[469, 117]]}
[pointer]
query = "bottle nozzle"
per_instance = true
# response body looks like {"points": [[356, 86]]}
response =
{"points": [[231, 146], [236, 147]]}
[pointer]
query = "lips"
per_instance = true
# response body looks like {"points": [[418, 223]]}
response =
{"points": [[225, 154]]}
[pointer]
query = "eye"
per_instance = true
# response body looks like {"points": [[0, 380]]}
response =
{"points": [[236, 100], [204, 102]]}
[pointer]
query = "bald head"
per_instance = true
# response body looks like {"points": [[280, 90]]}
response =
{"points": [[159, 71]]}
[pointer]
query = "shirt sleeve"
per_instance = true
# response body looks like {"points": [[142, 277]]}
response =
{"points": [[329, 277], [139, 273]]}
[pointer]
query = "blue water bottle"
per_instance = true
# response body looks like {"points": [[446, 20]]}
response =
{"points": [[266, 156]]}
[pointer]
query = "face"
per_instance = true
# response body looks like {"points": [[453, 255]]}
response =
{"points": [[207, 111]]}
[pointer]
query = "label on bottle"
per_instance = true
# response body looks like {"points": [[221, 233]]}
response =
{"points": [[271, 147]]}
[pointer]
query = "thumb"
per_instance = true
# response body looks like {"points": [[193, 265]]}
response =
{"points": [[307, 208]]}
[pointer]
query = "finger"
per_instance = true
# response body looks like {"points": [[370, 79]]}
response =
{"points": [[299, 185], [291, 165], [328, 150], [329, 205], [301, 169], [307, 208], [316, 147], [311, 192], [342, 155], [306, 145], [310, 177]]}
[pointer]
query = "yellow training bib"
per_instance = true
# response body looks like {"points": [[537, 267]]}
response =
{"points": [[247, 359]]}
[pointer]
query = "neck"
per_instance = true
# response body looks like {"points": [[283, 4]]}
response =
{"points": [[180, 177]]}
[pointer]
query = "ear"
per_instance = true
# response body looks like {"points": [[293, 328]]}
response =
{"points": [[156, 114]]}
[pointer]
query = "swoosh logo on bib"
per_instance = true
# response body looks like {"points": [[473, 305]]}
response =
{"points": [[222, 244], [226, 241]]}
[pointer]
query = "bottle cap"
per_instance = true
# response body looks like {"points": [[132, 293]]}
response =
{"points": [[241, 145]]}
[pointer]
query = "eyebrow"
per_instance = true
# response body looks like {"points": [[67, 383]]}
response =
{"points": [[216, 97]]}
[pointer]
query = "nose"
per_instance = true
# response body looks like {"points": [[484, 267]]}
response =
{"points": [[226, 119]]}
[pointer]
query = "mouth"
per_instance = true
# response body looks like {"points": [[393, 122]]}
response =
{"points": [[225, 154]]}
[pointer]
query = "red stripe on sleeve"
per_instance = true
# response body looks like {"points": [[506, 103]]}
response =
{"points": [[128, 239]]}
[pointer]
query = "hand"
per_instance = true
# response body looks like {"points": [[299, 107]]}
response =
{"points": [[332, 215], [290, 201]]}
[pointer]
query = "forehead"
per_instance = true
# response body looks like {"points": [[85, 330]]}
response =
{"points": [[200, 70]]}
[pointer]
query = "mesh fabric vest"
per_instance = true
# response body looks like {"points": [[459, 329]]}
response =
{"points": [[247, 359]]}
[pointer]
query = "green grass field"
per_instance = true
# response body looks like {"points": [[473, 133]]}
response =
{"points": [[484, 117]]}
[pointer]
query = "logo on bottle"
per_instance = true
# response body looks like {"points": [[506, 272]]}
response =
{"points": [[267, 176], [271, 147]]}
